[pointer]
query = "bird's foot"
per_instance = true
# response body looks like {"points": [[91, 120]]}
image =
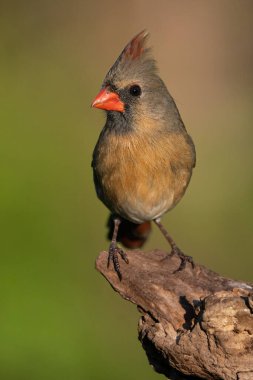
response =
{"points": [[114, 251], [184, 259]]}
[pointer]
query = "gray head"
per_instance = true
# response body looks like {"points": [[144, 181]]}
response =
{"points": [[132, 90]]}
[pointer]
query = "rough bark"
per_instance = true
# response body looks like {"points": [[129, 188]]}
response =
{"points": [[195, 323]]}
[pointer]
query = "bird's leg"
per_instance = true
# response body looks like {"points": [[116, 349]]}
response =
{"points": [[114, 250], [174, 248]]}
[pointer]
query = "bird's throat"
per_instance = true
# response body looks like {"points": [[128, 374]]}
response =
{"points": [[118, 123]]}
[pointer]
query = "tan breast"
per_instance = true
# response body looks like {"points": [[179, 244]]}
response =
{"points": [[141, 177]]}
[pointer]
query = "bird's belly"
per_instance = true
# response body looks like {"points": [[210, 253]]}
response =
{"points": [[142, 211], [138, 197], [140, 181]]}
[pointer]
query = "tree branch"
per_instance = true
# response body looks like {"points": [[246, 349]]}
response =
{"points": [[194, 323]]}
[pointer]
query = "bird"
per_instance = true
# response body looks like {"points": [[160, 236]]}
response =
{"points": [[143, 159]]}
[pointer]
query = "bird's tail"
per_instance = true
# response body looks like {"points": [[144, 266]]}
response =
{"points": [[131, 235]]}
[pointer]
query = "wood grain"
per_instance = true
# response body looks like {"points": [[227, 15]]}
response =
{"points": [[194, 322]]}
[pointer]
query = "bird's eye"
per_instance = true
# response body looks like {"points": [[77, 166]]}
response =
{"points": [[135, 90]]}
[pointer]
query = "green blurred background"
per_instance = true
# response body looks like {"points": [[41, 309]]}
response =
{"points": [[59, 318]]}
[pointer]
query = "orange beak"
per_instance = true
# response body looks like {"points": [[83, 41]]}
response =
{"points": [[108, 101]]}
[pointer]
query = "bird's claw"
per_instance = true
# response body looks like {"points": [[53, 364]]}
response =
{"points": [[184, 259], [114, 251]]}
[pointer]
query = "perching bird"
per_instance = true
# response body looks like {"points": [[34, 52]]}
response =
{"points": [[143, 160]]}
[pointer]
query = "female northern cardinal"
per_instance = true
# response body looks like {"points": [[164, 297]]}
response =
{"points": [[143, 160]]}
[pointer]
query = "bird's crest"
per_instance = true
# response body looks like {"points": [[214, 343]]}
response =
{"points": [[134, 60], [136, 47]]}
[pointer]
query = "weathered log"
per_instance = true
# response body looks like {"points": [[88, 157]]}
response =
{"points": [[195, 323]]}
